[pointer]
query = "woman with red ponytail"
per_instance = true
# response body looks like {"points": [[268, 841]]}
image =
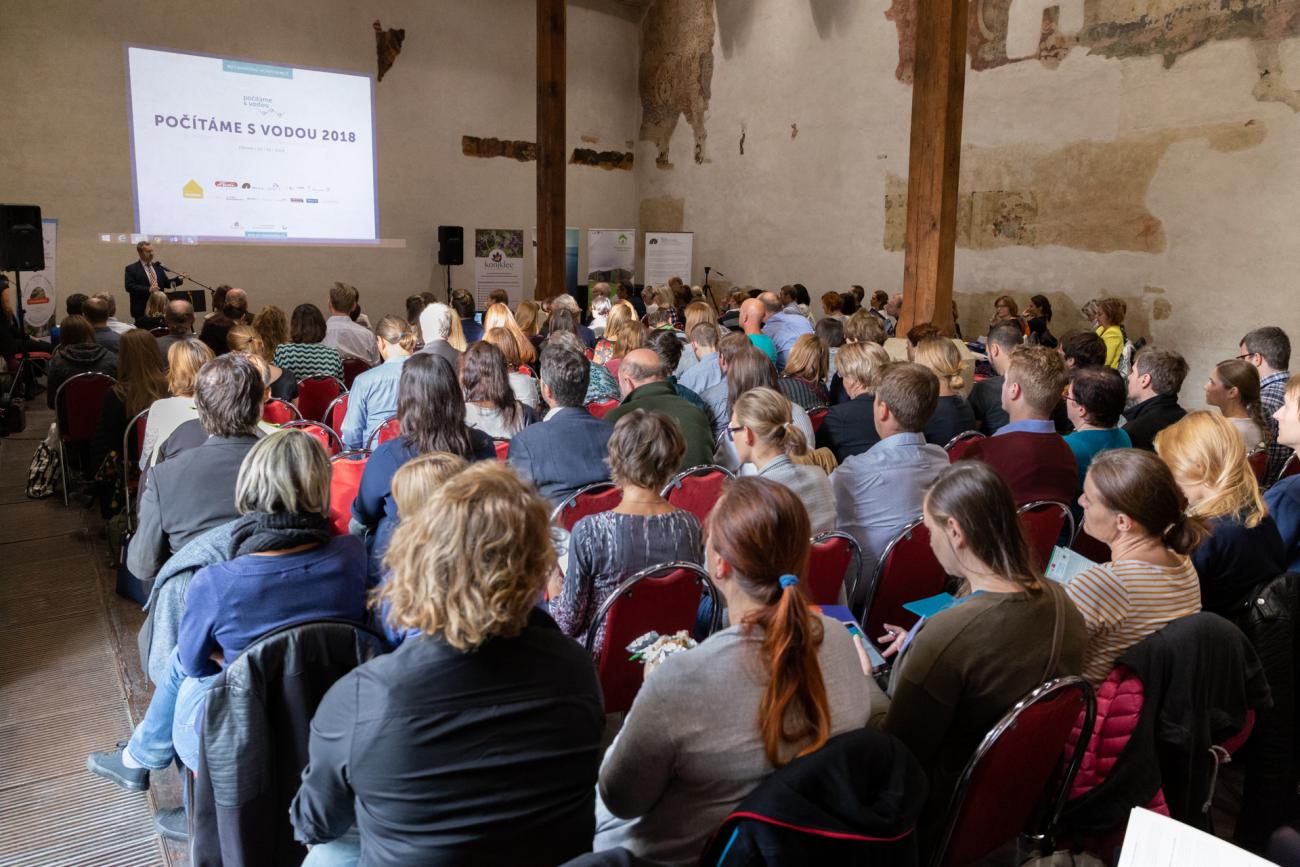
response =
{"points": [[710, 724]]}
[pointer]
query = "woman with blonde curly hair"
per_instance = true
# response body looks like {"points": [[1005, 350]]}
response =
{"points": [[1244, 549], [490, 704], [499, 316]]}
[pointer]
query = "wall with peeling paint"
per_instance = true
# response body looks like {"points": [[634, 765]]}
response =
{"points": [[464, 69], [1148, 154]]}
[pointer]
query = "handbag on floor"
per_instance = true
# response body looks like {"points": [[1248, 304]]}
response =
{"points": [[44, 472]]}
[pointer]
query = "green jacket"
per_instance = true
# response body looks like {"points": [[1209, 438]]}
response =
{"points": [[694, 424]]}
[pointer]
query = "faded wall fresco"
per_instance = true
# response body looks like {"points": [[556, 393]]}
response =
{"points": [[1110, 28], [1086, 195], [676, 75]]}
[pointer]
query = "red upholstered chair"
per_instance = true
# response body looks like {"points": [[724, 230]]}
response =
{"points": [[160, 331], [502, 447], [389, 430], [1043, 522], [336, 412], [961, 438], [817, 415], [663, 599], [833, 563], [697, 489], [326, 437], [315, 393], [1017, 773], [345, 480], [599, 408], [277, 411], [1258, 460], [77, 406], [132, 440], [25, 367], [600, 497], [907, 571], [352, 368]]}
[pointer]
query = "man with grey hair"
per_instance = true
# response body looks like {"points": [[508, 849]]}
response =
{"points": [[783, 323], [193, 490], [568, 302], [435, 326], [644, 384]]}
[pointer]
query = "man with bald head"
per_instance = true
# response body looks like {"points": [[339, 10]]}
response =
{"points": [[752, 314], [644, 384], [784, 322], [180, 325]]}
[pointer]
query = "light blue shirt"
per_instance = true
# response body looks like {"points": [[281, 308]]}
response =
{"points": [[371, 402], [702, 375], [880, 491], [785, 328], [1029, 425]]}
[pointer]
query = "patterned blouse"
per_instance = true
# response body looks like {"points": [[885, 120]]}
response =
{"points": [[309, 359]]}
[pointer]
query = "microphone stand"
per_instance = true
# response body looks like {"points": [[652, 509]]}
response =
{"points": [[191, 279]]}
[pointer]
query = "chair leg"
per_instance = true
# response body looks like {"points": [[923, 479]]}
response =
{"points": [[63, 470]]}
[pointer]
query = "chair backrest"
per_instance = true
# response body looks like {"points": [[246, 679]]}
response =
{"points": [[1017, 772], [663, 599], [78, 403], [817, 415], [600, 407], [962, 437], [1258, 460], [160, 331], [389, 430], [1291, 467], [277, 411], [133, 438], [345, 480], [327, 438], [907, 571], [600, 497], [1043, 522], [833, 563], [503, 448], [336, 412], [696, 490], [352, 368], [315, 393]]}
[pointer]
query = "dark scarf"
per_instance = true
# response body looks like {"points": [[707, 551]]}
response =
{"points": [[273, 531]]}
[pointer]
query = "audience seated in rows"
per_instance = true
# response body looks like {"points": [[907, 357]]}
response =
{"points": [[306, 353], [1095, 402], [1027, 451], [140, 381], [350, 339], [611, 344], [372, 400], [567, 304], [77, 352], [1153, 384], [431, 412], [490, 403], [281, 383], [185, 359], [228, 396], [831, 332], [435, 329], [1283, 497], [879, 492], [283, 568], [747, 370], [272, 325], [767, 439], [1004, 338], [849, 427], [216, 327], [643, 530], [709, 725], [952, 415], [1132, 504], [644, 384], [1269, 350], [968, 665], [697, 313], [567, 451], [1243, 549]]}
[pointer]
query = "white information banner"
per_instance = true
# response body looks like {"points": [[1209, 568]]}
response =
{"points": [[39, 302], [498, 263], [668, 255], [611, 255]]}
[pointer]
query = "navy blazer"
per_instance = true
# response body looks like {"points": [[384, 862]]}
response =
{"points": [[563, 454], [136, 282]]}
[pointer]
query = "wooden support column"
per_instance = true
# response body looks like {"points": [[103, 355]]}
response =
{"points": [[938, 83], [551, 161]]}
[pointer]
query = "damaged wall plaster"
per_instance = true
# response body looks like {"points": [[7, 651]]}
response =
{"points": [[608, 160], [676, 74]]}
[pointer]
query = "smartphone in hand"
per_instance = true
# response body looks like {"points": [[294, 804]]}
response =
{"points": [[877, 661]]}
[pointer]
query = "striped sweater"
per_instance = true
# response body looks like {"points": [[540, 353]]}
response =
{"points": [[1124, 601]]}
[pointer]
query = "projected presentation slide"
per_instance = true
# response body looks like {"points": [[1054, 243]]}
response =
{"points": [[228, 150]]}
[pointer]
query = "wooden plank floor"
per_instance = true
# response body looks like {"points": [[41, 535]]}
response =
{"points": [[70, 683]]}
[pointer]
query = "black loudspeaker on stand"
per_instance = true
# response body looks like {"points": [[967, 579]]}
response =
{"points": [[22, 247], [451, 250]]}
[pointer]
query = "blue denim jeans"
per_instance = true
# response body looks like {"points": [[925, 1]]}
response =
{"points": [[343, 852], [170, 725]]}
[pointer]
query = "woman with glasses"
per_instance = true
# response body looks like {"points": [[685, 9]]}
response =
{"points": [[1094, 401]]}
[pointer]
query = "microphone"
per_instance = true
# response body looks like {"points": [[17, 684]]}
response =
{"points": [[719, 273]]}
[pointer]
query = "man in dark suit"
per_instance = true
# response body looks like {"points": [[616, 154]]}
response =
{"points": [[145, 275], [567, 451], [194, 491], [435, 327]]}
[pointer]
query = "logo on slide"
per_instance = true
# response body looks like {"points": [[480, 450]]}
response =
{"points": [[295, 200], [192, 190], [225, 184]]}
